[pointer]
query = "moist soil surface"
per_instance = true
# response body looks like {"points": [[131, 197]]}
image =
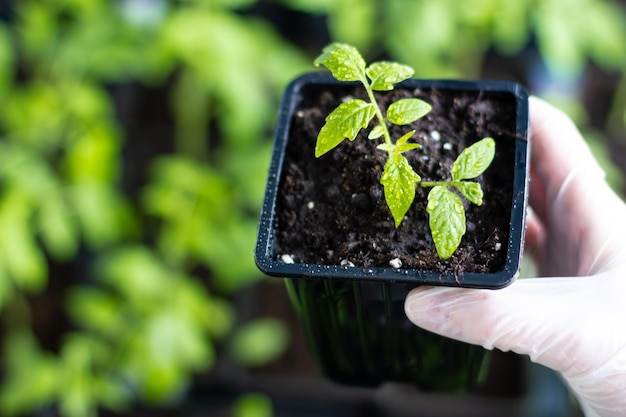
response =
{"points": [[332, 209]]}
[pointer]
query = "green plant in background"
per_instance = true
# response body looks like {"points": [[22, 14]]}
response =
{"points": [[452, 39], [459, 34], [399, 179], [253, 405], [150, 306]]}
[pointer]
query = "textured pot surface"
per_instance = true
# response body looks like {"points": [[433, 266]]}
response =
{"points": [[359, 335]]}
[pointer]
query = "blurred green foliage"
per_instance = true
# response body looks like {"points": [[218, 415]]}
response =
{"points": [[454, 38], [449, 38], [148, 303], [143, 320], [253, 405]]}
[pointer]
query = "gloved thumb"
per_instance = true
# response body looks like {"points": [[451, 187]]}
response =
{"points": [[567, 324]]}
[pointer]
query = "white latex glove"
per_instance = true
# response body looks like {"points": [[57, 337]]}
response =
{"points": [[575, 321]]}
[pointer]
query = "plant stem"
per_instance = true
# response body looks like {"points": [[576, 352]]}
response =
{"points": [[379, 114], [442, 183]]}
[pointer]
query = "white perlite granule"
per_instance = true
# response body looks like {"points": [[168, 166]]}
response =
{"points": [[395, 263], [288, 259]]}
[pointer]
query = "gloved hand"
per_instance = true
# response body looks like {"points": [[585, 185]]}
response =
{"points": [[573, 318]]}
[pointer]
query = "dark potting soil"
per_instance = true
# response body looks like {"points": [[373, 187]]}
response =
{"points": [[332, 209]]}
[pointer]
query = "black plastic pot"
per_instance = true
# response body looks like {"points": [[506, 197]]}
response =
{"points": [[354, 316]]}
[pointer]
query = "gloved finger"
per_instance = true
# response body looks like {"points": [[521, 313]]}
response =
{"points": [[562, 323], [537, 193], [568, 192], [566, 324], [534, 238], [558, 148]]}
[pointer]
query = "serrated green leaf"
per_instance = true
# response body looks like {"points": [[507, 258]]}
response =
{"points": [[376, 132], [474, 160], [472, 191], [405, 137], [405, 147], [398, 182], [387, 147], [446, 220], [407, 110], [400, 146], [344, 122], [344, 62], [385, 74]]}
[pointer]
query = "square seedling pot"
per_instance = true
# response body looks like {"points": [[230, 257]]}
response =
{"points": [[325, 227]]}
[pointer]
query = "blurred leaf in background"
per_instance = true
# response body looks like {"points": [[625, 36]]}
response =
{"points": [[201, 225], [255, 343], [451, 38], [141, 322], [253, 405]]}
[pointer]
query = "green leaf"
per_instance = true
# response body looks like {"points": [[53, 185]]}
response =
{"points": [[385, 74], [78, 396], [96, 310], [405, 147], [57, 226], [407, 110], [402, 146], [163, 351], [221, 316], [446, 220], [136, 273], [399, 181], [20, 252], [376, 132], [387, 147], [605, 34], [472, 191], [31, 375], [344, 62], [344, 122], [101, 212], [259, 342], [562, 52], [405, 137], [474, 160], [352, 21], [253, 405], [7, 57]]}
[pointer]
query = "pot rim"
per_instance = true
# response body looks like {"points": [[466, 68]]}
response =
{"points": [[265, 255]]}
